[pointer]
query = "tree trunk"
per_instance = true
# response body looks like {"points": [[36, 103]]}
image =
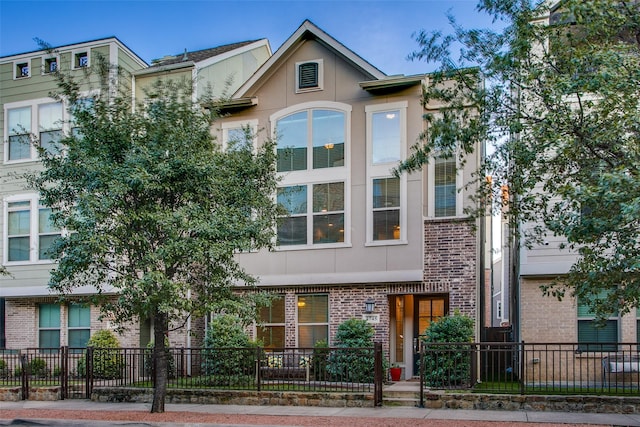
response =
{"points": [[159, 362]]}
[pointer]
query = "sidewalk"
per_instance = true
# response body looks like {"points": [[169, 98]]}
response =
{"points": [[200, 415]]}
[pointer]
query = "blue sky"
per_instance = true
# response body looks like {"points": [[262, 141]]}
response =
{"points": [[379, 31]]}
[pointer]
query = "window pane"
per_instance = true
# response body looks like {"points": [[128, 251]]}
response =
{"points": [[79, 316], [309, 335], [386, 192], [293, 199], [293, 231], [19, 121], [328, 197], [19, 147], [328, 228], [313, 309], [589, 333], [49, 339], [271, 336], [79, 338], [274, 313], [50, 116], [445, 187], [50, 141], [19, 222], [19, 249], [292, 142], [385, 128], [45, 225], [328, 139], [44, 243], [386, 225], [49, 316]]}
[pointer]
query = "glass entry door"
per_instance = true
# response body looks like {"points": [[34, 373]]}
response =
{"points": [[427, 309]]}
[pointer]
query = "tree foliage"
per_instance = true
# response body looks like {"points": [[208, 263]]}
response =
{"points": [[560, 105], [353, 360], [155, 210]]}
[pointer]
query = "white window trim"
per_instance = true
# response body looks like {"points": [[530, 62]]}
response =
{"points": [[43, 67], [320, 86], [309, 177], [384, 171], [431, 197], [34, 235], [227, 126], [73, 58], [35, 125], [15, 69]]}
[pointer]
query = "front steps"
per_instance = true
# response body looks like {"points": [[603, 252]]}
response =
{"points": [[402, 393]]}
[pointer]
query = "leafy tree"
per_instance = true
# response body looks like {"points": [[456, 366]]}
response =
{"points": [[560, 105], [155, 209]]}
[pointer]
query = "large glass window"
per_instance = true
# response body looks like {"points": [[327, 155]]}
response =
{"points": [[327, 201], [49, 325], [386, 209], [271, 330], [589, 332], [19, 127], [317, 131], [386, 137], [79, 325], [313, 319], [30, 232], [50, 126], [19, 230], [445, 187]]}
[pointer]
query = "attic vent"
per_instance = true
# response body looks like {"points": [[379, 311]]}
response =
{"points": [[308, 75]]}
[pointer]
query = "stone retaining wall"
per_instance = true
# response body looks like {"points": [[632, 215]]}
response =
{"points": [[212, 397], [514, 402]]}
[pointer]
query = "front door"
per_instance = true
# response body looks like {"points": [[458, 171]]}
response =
{"points": [[427, 308]]}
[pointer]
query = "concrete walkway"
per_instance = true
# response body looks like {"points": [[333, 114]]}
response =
{"points": [[404, 413]]}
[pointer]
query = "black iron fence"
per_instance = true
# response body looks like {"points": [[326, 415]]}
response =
{"points": [[532, 368], [77, 371]]}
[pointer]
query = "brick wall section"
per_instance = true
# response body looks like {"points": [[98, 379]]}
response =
{"points": [[451, 261]]}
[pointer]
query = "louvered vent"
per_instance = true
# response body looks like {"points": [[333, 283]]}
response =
{"points": [[308, 75]]}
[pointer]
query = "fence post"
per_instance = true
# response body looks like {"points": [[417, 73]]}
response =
{"points": [[89, 373], [377, 374], [258, 370], [421, 365], [474, 364], [522, 360], [24, 376], [64, 372]]}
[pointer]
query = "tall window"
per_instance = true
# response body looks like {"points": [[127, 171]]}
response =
{"points": [[313, 319], [591, 333], [271, 330], [50, 126], [79, 325], [49, 325], [323, 224], [30, 230], [445, 195], [386, 209], [19, 127], [239, 132], [313, 137], [386, 199]]}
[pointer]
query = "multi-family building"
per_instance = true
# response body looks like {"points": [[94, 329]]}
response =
{"points": [[357, 241]]}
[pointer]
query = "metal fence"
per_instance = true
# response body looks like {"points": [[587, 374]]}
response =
{"points": [[78, 371], [532, 368]]}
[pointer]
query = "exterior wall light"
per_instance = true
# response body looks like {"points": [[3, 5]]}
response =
{"points": [[369, 305]]}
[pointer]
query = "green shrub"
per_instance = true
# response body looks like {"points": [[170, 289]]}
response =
{"points": [[108, 362], [228, 350], [351, 364], [148, 360], [5, 372], [37, 367], [448, 365], [320, 360]]}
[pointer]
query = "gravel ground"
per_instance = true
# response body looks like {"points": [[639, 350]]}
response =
{"points": [[272, 420]]}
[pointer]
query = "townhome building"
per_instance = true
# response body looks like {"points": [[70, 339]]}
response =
{"points": [[30, 315], [357, 241]]}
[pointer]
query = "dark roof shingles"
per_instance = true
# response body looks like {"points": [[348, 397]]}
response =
{"points": [[200, 55]]}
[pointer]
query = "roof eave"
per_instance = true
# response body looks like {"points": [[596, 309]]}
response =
{"points": [[394, 82], [164, 68]]}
